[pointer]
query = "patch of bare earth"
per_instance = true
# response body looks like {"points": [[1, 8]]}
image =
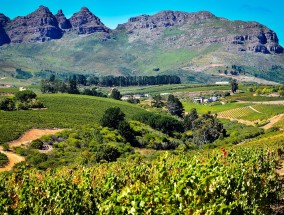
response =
{"points": [[25, 139], [273, 120]]}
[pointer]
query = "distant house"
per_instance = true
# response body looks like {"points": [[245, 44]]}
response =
{"points": [[126, 97], [22, 89], [205, 100], [138, 96], [222, 83], [198, 99]]}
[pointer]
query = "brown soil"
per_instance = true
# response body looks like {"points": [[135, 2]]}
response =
{"points": [[246, 122], [27, 137], [31, 135], [273, 120], [13, 159]]}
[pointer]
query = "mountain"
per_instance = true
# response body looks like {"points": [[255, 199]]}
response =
{"points": [[199, 47]]}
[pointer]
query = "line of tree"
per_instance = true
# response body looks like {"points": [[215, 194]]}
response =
{"points": [[138, 80], [110, 81]]}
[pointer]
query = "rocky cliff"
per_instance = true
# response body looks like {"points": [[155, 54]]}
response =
{"points": [[3, 35], [40, 25], [171, 29], [63, 22], [84, 22], [180, 29]]}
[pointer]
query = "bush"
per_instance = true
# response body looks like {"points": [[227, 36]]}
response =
{"points": [[37, 158], [107, 153], [6, 147], [166, 124], [3, 160], [7, 104], [25, 95], [36, 144]]}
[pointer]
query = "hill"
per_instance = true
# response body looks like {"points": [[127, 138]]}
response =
{"points": [[199, 47]]}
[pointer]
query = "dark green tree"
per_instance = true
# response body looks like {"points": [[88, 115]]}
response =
{"points": [[72, 88], [112, 117], [157, 101], [7, 104], [24, 96], [126, 132], [174, 106], [206, 129], [234, 85], [107, 153], [189, 118], [115, 94]]}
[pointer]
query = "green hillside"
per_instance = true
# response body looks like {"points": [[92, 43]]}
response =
{"points": [[63, 111], [119, 55]]}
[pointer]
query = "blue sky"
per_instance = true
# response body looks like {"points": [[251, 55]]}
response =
{"points": [[113, 12]]}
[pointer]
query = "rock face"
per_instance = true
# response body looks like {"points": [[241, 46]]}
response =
{"points": [[63, 22], [40, 25], [169, 29], [84, 22], [180, 29], [3, 35]]}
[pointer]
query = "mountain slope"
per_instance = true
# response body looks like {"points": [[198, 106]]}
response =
{"points": [[169, 42]]}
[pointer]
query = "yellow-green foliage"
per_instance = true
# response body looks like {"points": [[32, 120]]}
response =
{"points": [[236, 180]]}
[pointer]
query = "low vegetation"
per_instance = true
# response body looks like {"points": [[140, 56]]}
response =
{"points": [[3, 160]]}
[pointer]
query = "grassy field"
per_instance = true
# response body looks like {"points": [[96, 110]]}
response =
{"points": [[249, 97], [204, 108], [171, 88], [63, 111]]}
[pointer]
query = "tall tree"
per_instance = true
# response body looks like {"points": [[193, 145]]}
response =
{"points": [[112, 117], [174, 106], [234, 85], [115, 94], [189, 118]]}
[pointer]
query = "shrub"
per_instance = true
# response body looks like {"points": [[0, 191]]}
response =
{"points": [[107, 153], [36, 144], [3, 159], [25, 95]]}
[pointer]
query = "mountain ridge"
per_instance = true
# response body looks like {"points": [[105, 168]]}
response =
{"points": [[168, 42]]}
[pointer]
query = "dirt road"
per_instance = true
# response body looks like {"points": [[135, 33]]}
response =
{"points": [[27, 137]]}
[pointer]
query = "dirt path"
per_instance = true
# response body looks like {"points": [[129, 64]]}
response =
{"points": [[27, 137], [246, 122], [13, 159], [31, 135], [273, 120]]}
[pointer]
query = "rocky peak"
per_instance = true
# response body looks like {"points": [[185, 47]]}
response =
{"points": [[40, 25], [3, 35], [63, 22], [3, 20], [85, 22]]}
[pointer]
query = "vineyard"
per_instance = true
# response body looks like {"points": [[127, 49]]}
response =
{"points": [[63, 111], [236, 180], [253, 112]]}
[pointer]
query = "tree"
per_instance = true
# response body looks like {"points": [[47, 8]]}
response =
{"points": [[174, 106], [112, 117], [115, 94], [189, 118], [36, 144], [157, 101], [234, 85], [72, 89], [25, 95], [126, 131], [107, 153], [206, 129], [7, 104]]}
